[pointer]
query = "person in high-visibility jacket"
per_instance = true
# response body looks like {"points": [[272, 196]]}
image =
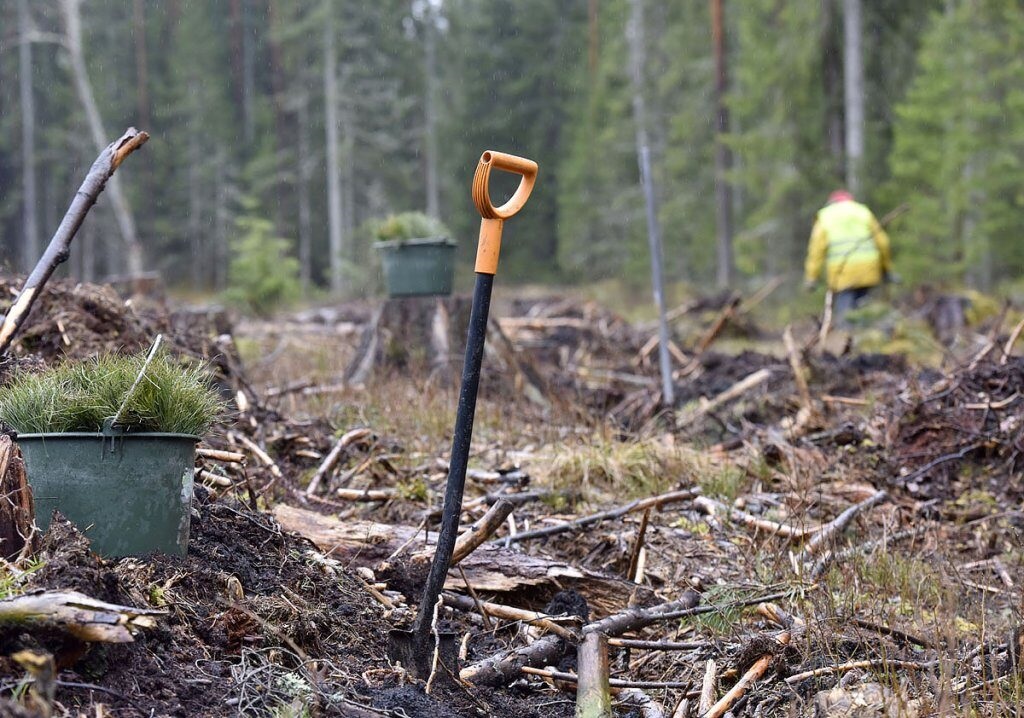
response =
{"points": [[849, 243]]}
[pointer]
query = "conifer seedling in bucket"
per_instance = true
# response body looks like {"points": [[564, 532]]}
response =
{"points": [[110, 442]]}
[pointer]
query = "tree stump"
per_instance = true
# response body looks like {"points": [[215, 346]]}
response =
{"points": [[17, 513], [414, 334]]}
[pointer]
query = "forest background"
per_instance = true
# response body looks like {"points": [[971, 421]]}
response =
{"points": [[306, 120]]}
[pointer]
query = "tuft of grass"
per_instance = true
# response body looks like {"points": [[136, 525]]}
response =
{"points": [[628, 468], [78, 396]]}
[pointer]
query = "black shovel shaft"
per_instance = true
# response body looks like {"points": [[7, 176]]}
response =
{"points": [[459, 459]]}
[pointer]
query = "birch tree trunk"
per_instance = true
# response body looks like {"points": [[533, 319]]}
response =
{"points": [[853, 84], [30, 246], [723, 155], [334, 216], [122, 212]]}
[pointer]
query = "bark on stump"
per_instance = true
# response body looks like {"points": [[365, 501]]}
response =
{"points": [[16, 508], [413, 334]]}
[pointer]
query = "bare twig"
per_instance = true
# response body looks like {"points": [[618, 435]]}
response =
{"points": [[482, 530]]}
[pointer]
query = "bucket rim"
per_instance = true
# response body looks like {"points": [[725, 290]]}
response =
{"points": [[439, 241], [100, 435]]}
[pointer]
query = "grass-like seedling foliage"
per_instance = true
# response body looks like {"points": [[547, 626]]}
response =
{"points": [[172, 397]]}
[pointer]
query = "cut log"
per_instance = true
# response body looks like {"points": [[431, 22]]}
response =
{"points": [[491, 568], [75, 613]]}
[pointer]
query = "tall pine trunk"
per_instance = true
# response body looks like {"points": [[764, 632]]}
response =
{"points": [[723, 155], [853, 84], [334, 214], [430, 112], [122, 212], [30, 228], [302, 190]]}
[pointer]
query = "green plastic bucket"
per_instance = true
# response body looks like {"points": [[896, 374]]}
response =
{"points": [[130, 494], [417, 266]]}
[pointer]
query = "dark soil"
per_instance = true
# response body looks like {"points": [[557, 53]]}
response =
{"points": [[255, 622]]}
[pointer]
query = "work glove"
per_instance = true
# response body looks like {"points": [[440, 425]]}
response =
{"points": [[810, 285]]}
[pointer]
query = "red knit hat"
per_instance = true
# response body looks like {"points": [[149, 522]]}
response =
{"points": [[840, 195]]}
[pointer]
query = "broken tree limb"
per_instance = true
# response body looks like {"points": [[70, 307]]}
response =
{"points": [[713, 508], [799, 373], [737, 390], [75, 613], [885, 663], [593, 691], [328, 464], [510, 613], [59, 249], [752, 675], [829, 557], [639, 505], [505, 667], [707, 689], [647, 706], [482, 529], [839, 523]]}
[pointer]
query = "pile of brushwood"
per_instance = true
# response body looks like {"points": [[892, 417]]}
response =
{"points": [[802, 534]]}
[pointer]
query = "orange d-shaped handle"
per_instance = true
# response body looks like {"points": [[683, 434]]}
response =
{"points": [[493, 218]]}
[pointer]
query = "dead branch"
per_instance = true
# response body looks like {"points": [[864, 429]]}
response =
{"points": [[328, 464], [707, 690], [510, 613], [616, 683], [75, 613], [716, 326], [885, 663], [799, 373], [1008, 347], [713, 508], [636, 698], [829, 557], [839, 523], [228, 457], [737, 390], [639, 644], [59, 248], [753, 674], [593, 692], [482, 529], [506, 666], [638, 505], [259, 453]]}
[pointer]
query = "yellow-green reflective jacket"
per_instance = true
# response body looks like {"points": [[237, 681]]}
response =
{"points": [[852, 246]]}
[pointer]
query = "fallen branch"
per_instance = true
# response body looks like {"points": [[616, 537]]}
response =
{"points": [[638, 505], [737, 390], [506, 666], [854, 665], [75, 613], [640, 644], [228, 457], [636, 698], [614, 683], [839, 523], [59, 248], [482, 530], [260, 454], [349, 438], [707, 689], [752, 675], [510, 613], [829, 557], [713, 508]]}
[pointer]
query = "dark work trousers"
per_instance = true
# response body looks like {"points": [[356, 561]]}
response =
{"points": [[845, 300]]}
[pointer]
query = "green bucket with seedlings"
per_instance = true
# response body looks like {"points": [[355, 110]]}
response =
{"points": [[111, 444], [417, 256]]}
